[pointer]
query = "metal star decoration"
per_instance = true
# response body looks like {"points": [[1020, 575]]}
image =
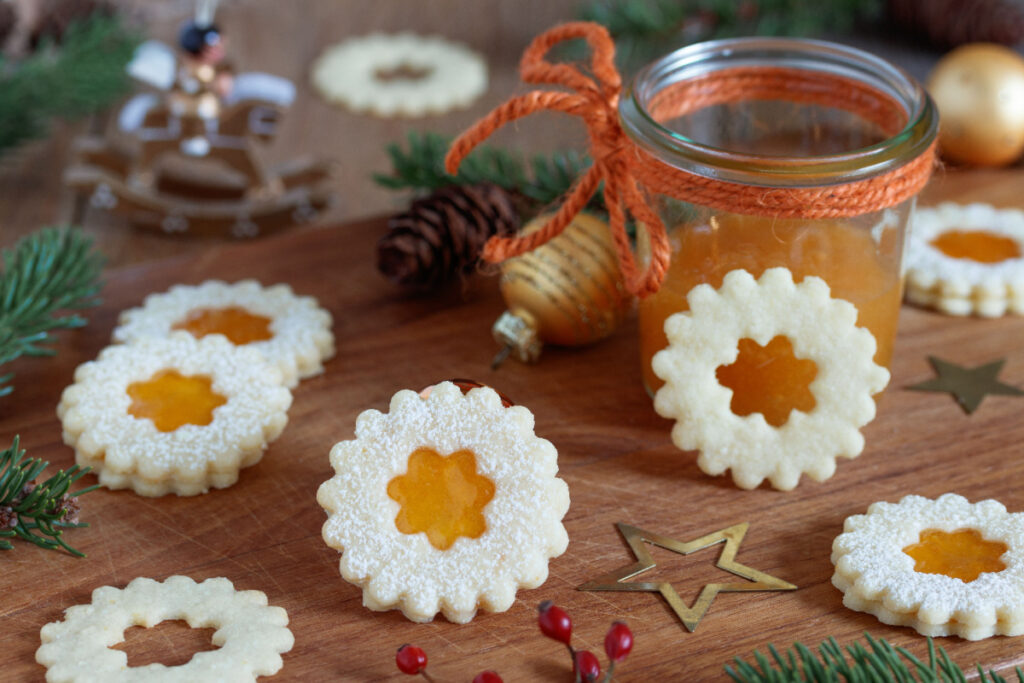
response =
{"points": [[967, 385], [690, 616]]}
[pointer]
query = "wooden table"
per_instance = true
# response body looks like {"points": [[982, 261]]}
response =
{"points": [[614, 452]]}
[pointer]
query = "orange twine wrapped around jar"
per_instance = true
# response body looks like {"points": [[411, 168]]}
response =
{"points": [[622, 165]]}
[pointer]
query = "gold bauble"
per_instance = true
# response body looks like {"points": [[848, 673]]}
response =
{"points": [[979, 90], [567, 292]]}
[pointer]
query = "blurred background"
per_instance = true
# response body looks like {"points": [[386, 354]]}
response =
{"points": [[285, 39]]}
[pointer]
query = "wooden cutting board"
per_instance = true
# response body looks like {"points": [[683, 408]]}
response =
{"points": [[614, 452]]}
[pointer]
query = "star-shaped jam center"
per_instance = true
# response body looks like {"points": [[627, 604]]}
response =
{"points": [[769, 380], [962, 554], [977, 245], [237, 324], [443, 497], [172, 400]]}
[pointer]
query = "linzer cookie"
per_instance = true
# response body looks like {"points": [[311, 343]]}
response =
{"points": [[174, 414], [943, 567], [292, 332], [965, 260], [446, 503]]}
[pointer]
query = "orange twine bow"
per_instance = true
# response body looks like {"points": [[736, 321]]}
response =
{"points": [[620, 163]]}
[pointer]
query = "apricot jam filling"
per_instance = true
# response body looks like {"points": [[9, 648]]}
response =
{"points": [[962, 554], [440, 496], [977, 245], [769, 380], [172, 400], [237, 324]]}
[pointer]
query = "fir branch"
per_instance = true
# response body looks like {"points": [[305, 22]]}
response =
{"points": [[880, 662], [37, 512], [646, 29], [542, 181], [83, 74], [51, 270]]}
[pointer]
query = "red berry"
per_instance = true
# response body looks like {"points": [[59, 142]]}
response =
{"points": [[554, 622], [411, 659], [618, 642], [487, 677], [585, 663]]}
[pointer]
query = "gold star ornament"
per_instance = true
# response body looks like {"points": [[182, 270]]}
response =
{"points": [[969, 386], [732, 536]]}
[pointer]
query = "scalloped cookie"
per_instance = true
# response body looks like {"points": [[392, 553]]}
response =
{"points": [[250, 635], [173, 415], [943, 567], [965, 260], [447, 503], [292, 332], [821, 329]]}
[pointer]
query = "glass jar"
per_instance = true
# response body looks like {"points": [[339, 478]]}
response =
{"points": [[765, 115]]}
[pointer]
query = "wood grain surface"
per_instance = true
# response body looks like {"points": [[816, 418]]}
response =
{"points": [[614, 452]]}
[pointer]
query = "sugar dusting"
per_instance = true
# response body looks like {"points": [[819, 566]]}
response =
{"points": [[302, 329], [130, 452], [878, 577], [961, 286], [524, 527]]}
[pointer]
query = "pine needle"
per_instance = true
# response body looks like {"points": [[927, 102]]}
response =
{"points": [[542, 180], [51, 270], [83, 74], [879, 662], [37, 512], [646, 29]]}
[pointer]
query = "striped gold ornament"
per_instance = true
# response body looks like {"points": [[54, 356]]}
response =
{"points": [[567, 292]]}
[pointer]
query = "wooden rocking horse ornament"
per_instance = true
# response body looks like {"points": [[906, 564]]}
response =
{"points": [[182, 159]]}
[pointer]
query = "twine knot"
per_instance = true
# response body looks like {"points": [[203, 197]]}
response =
{"points": [[595, 100]]}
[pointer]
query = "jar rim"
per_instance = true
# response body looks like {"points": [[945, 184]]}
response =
{"points": [[817, 56]]}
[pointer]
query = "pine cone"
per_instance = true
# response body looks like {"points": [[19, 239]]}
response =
{"points": [[948, 23], [441, 236]]}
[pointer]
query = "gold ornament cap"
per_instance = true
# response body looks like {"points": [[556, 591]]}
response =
{"points": [[516, 331]]}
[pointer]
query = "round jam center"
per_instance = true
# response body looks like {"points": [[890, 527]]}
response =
{"points": [[962, 554], [443, 497], [171, 400], [769, 380], [977, 245], [237, 324]]}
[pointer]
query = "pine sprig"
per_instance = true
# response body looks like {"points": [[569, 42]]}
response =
{"points": [[51, 270], [646, 29], [879, 662], [83, 74], [541, 180], [37, 512]]}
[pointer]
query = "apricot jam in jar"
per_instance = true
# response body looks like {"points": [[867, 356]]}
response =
{"points": [[801, 145]]}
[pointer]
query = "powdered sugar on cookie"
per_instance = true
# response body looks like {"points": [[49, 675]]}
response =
{"points": [[407, 571], [297, 336], [878, 576], [127, 451]]}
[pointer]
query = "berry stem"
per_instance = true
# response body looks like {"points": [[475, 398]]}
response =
{"points": [[577, 676], [608, 674], [427, 676]]}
